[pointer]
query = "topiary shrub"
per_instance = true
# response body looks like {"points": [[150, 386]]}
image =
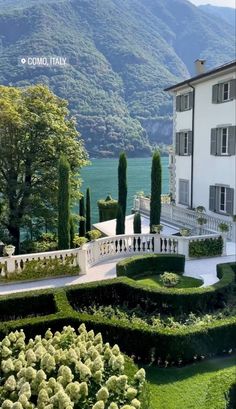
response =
{"points": [[206, 248], [169, 279], [65, 370], [155, 263]]}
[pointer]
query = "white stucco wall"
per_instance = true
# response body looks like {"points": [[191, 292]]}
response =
{"points": [[208, 169]]}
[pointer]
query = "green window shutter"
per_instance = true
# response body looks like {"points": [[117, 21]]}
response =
{"points": [[178, 103], [182, 103], [215, 89], [212, 199], [232, 140], [213, 141], [190, 100], [229, 201], [217, 199], [177, 143], [190, 142], [181, 143], [232, 89], [220, 92], [218, 141]]}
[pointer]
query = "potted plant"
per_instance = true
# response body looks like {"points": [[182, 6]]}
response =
{"points": [[9, 250], [79, 241], [94, 234], [157, 228], [185, 231], [223, 227]]}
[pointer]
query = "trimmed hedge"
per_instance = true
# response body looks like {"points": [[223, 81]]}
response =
{"points": [[173, 345], [221, 391], [18, 306], [206, 248], [156, 263]]}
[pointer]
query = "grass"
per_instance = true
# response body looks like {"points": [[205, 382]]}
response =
{"points": [[187, 387], [153, 280]]}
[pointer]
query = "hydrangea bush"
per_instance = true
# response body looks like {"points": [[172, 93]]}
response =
{"points": [[65, 370]]}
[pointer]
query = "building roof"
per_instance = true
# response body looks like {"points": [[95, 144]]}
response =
{"points": [[216, 70]]}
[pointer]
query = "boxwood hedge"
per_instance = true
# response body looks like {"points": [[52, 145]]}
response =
{"points": [[159, 345], [155, 263]]}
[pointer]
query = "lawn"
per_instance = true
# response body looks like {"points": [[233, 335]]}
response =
{"points": [[153, 280], [187, 387]]}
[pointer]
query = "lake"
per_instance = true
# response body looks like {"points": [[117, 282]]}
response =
{"points": [[102, 179]]}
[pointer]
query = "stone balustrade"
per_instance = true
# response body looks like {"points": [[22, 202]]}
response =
{"points": [[108, 248], [181, 216]]}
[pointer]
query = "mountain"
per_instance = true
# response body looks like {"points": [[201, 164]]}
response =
{"points": [[121, 54], [226, 13]]}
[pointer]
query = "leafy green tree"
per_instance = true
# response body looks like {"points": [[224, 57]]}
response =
{"points": [[88, 210], [137, 223], [72, 231], [64, 204], [156, 180], [120, 221], [82, 221], [35, 129], [122, 188]]}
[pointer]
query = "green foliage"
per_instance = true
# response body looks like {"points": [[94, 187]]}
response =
{"points": [[223, 227], [79, 241], [94, 234], [154, 280], [35, 130], [122, 182], [206, 248], [107, 209], [82, 221], [137, 223], [155, 203], [120, 221], [221, 391], [154, 262], [45, 242], [169, 279], [72, 231], [64, 239], [179, 345], [37, 269], [88, 210]]}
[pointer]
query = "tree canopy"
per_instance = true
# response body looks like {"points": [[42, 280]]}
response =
{"points": [[35, 129]]}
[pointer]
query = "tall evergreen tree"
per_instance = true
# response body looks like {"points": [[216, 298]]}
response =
{"points": [[137, 223], [120, 221], [64, 204], [82, 230], [156, 180], [88, 211], [122, 189], [72, 232]]}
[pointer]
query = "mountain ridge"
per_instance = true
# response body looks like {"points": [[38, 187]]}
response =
{"points": [[121, 54]]}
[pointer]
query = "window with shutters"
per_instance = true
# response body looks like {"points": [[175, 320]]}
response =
{"points": [[183, 143], [184, 102], [224, 91], [223, 141], [184, 192], [221, 199]]}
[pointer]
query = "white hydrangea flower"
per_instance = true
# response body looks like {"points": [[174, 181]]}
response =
{"points": [[99, 405], [10, 384], [48, 363], [135, 402], [113, 405], [102, 394], [7, 366], [131, 393], [111, 383], [7, 404], [5, 352]]}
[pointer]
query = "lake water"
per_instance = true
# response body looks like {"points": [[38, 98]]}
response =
{"points": [[102, 179]]}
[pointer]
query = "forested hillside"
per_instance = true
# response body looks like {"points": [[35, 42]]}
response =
{"points": [[120, 54]]}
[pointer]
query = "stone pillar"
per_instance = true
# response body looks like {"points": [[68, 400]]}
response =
{"points": [[234, 232], [157, 243], [82, 260], [183, 246]]}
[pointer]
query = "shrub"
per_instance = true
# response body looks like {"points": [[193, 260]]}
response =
{"points": [[94, 234], [35, 269], [154, 262], [63, 204], [169, 279], [107, 209], [155, 202], [137, 224], [65, 370], [206, 248], [79, 241]]}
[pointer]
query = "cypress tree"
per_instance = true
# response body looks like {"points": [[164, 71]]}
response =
{"points": [[72, 232], [122, 188], [63, 204], [137, 223], [155, 204], [82, 229], [88, 211], [120, 221]]}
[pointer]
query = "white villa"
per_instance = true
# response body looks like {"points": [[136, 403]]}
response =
{"points": [[203, 162]]}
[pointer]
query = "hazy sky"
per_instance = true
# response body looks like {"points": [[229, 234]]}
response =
{"points": [[225, 3]]}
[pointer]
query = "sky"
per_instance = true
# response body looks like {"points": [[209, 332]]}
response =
{"points": [[225, 3]]}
